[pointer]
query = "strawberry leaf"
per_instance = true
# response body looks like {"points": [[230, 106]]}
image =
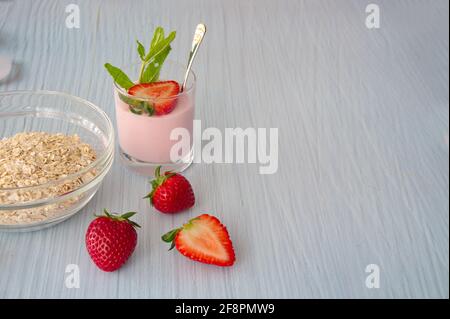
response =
{"points": [[128, 215], [106, 212], [158, 171], [158, 181], [121, 218], [169, 237], [134, 224]]}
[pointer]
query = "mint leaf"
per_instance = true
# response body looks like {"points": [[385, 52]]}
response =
{"points": [[160, 46], [155, 57], [140, 49], [129, 100], [152, 62], [157, 36], [137, 106], [151, 73], [135, 110], [119, 76], [149, 108]]}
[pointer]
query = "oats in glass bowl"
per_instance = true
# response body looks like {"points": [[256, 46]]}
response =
{"points": [[37, 158], [55, 151]]}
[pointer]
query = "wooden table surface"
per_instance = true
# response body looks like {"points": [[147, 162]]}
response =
{"points": [[363, 119]]}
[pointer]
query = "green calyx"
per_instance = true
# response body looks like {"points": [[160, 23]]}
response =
{"points": [[158, 181], [170, 236], [124, 217]]}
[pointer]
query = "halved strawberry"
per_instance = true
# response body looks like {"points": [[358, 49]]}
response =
{"points": [[160, 94], [203, 239]]}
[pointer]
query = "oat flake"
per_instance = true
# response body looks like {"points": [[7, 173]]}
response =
{"points": [[35, 158]]}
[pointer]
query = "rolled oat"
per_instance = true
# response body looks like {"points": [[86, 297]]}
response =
{"points": [[36, 158]]}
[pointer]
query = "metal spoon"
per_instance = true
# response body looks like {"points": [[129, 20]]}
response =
{"points": [[198, 37]]}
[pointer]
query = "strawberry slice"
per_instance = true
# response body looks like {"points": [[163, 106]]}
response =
{"points": [[203, 239], [160, 94]]}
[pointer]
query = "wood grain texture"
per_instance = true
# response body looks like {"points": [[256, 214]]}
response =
{"points": [[363, 119]]}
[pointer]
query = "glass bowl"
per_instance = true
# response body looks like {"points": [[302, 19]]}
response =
{"points": [[53, 112]]}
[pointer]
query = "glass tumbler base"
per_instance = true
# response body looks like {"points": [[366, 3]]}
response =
{"points": [[148, 169]]}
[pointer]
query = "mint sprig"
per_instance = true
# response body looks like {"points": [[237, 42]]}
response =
{"points": [[152, 62]]}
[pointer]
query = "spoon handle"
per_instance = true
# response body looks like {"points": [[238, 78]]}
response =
{"points": [[198, 37]]}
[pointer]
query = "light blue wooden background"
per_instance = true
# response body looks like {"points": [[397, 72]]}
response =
{"points": [[363, 119]]}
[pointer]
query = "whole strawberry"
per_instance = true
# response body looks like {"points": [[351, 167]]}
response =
{"points": [[171, 192], [111, 239]]}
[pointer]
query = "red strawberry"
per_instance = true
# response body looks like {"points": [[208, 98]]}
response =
{"points": [[171, 192], [203, 239], [111, 239], [160, 93]]}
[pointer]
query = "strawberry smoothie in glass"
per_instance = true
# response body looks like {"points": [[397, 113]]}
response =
{"points": [[155, 112], [144, 137]]}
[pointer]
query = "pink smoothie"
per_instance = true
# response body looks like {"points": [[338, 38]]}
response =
{"points": [[147, 138]]}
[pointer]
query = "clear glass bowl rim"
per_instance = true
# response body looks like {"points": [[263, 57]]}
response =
{"points": [[103, 158]]}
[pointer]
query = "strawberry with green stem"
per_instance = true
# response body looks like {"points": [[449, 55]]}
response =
{"points": [[171, 192], [111, 239]]}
